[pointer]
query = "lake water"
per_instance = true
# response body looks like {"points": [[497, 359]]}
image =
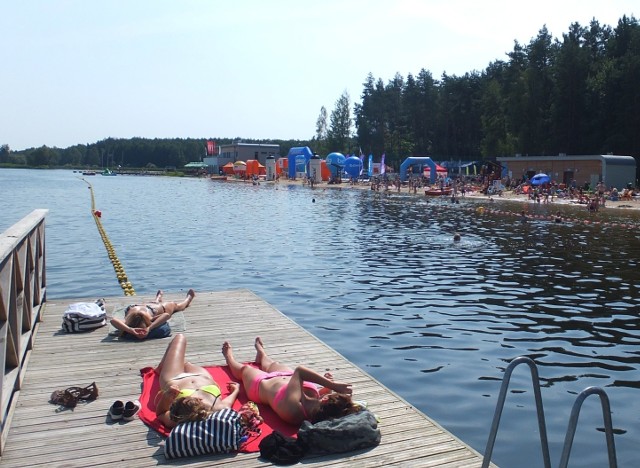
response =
{"points": [[378, 278]]}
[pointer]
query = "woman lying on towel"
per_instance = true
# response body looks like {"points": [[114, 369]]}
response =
{"points": [[188, 392], [141, 320], [295, 395]]}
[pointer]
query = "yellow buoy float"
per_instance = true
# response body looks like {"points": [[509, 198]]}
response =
{"points": [[124, 282]]}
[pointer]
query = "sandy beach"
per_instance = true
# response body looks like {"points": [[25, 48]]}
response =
{"points": [[473, 192]]}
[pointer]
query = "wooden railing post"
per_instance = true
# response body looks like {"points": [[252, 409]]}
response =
{"points": [[22, 297]]}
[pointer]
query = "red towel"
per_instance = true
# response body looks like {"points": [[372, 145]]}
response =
{"points": [[222, 375]]}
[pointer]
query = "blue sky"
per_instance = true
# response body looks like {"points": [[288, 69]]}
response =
{"points": [[79, 71]]}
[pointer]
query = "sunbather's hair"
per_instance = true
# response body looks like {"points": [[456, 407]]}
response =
{"points": [[335, 405], [188, 409], [137, 319]]}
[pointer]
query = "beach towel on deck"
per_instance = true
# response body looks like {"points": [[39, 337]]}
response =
{"points": [[222, 375]]}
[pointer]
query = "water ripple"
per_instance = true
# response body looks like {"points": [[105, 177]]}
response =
{"points": [[379, 279]]}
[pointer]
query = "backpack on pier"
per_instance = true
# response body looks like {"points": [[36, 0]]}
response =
{"points": [[84, 316]]}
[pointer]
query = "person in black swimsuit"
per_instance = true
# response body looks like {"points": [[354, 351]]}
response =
{"points": [[141, 319]]}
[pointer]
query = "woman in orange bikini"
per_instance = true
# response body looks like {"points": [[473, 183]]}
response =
{"points": [[188, 392], [140, 321], [295, 395]]}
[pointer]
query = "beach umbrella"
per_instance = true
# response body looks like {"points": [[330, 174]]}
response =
{"points": [[540, 179]]}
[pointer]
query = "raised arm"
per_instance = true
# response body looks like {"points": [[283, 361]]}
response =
{"points": [[121, 325], [303, 373]]}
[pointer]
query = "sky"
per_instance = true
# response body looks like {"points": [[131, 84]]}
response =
{"points": [[79, 71]]}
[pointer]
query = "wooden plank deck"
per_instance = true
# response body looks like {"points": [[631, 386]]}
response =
{"points": [[40, 436]]}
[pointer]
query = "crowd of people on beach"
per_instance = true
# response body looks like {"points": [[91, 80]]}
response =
{"points": [[488, 185]]}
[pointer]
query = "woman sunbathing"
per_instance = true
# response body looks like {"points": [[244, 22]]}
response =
{"points": [[140, 321], [188, 392], [295, 395]]}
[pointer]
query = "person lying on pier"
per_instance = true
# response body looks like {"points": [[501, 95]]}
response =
{"points": [[187, 391], [295, 395], [144, 320]]}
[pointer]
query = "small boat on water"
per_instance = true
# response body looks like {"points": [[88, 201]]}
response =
{"points": [[88, 172], [436, 192], [108, 172]]}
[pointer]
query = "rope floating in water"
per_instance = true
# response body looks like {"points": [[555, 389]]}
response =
{"points": [[125, 284]]}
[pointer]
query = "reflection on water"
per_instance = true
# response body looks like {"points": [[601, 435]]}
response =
{"points": [[379, 279]]}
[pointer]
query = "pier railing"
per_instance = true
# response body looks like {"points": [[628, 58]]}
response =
{"points": [[22, 296]]}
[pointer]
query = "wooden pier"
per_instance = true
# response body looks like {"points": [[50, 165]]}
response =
{"points": [[40, 436]]}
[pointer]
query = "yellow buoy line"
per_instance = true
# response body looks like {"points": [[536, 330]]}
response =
{"points": [[125, 284]]}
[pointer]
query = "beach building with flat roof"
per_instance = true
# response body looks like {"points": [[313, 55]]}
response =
{"points": [[613, 170], [242, 152]]}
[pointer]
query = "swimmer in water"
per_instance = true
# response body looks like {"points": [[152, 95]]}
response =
{"points": [[523, 216]]}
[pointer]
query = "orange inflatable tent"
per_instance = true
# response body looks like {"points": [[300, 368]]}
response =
{"points": [[255, 168], [325, 172], [282, 165], [228, 168]]}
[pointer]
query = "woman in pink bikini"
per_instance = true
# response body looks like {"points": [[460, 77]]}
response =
{"points": [[295, 395]]}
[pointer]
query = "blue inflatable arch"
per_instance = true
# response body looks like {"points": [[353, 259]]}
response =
{"points": [[420, 162], [298, 160]]}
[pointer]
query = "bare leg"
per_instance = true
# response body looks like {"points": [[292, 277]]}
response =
{"points": [[171, 307], [187, 300], [172, 362], [265, 362], [241, 372], [159, 296], [262, 358], [235, 366]]}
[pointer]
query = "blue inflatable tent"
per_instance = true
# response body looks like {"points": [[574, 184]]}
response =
{"points": [[298, 160], [419, 162]]}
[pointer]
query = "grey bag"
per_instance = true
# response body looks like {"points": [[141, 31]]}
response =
{"points": [[352, 432]]}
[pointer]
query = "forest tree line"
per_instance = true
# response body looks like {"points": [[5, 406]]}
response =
{"points": [[576, 95], [125, 153], [579, 94]]}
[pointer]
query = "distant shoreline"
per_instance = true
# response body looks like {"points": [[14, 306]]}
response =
{"points": [[473, 193]]}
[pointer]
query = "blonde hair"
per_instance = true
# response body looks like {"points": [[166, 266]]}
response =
{"points": [[188, 409]]}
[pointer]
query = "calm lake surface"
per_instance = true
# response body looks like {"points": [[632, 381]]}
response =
{"points": [[378, 278]]}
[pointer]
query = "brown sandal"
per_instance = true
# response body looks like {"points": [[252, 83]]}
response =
{"points": [[89, 393], [69, 397]]}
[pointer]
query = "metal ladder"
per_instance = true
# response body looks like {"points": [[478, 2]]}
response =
{"points": [[573, 419]]}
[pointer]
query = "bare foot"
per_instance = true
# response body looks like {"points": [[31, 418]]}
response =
{"points": [[159, 295], [190, 295], [259, 349], [226, 351]]}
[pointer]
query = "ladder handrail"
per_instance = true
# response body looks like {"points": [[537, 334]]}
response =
{"points": [[573, 419], [573, 422], [500, 405]]}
